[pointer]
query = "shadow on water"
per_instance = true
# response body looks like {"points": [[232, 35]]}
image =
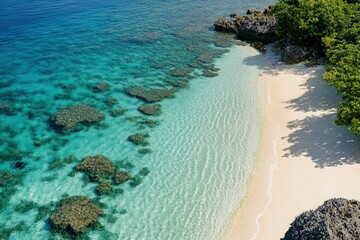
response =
{"points": [[315, 136]]}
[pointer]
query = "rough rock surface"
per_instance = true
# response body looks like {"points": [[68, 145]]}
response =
{"points": [[97, 167], [260, 26], [292, 53], [335, 219], [75, 215], [69, 117], [226, 25]]}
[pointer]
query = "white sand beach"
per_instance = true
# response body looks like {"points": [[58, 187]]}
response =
{"points": [[304, 158]]}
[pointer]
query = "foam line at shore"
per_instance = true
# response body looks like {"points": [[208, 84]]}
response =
{"points": [[274, 166]]}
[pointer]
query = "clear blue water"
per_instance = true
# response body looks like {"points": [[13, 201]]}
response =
{"points": [[202, 150]]}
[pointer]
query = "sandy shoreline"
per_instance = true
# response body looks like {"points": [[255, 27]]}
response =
{"points": [[304, 158]]}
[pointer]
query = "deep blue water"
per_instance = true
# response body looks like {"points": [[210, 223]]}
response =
{"points": [[52, 54]]}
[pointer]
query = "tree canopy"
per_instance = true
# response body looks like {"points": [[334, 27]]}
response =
{"points": [[335, 26]]}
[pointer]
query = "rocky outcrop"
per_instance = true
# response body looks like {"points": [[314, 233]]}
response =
{"points": [[292, 52], [259, 26], [226, 25], [335, 219], [70, 117], [75, 215]]}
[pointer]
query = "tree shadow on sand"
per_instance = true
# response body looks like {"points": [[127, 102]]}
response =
{"points": [[315, 136], [326, 144]]}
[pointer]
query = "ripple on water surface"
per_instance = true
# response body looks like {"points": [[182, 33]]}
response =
{"points": [[201, 146]]}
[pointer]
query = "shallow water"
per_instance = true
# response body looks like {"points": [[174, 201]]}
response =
{"points": [[52, 54]]}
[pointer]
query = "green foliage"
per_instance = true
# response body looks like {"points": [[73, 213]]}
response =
{"points": [[334, 24], [310, 20]]}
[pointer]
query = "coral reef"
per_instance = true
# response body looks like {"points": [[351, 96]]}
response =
{"points": [[5, 233], [8, 179], [138, 139], [144, 171], [55, 164], [97, 167], [144, 150], [12, 153], [111, 101], [117, 112], [25, 206], [179, 83], [101, 87], [75, 215], [121, 177], [180, 72], [150, 109], [335, 219], [69, 117], [149, 95], [7, 109], [70, 159], [208, 73], [135, 181], [104, 188], [20, 165], [147, 123]]}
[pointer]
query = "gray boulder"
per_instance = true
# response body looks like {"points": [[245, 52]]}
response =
{"points": [[259, 28], [335, 219]]}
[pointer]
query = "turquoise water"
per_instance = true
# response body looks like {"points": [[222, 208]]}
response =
{"points": [[52, 54]]}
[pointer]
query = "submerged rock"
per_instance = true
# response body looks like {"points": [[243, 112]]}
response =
{"points": [[150, 95], [75, 215], [20, 165], [138, 139], [180, 72], [7, 109], [117, 112], [150, 109], [111, 101], [101, 87], [97, 167], [121, 177], [104, 188], [70, 117], [178, 83], [335, 219], [209, 73]]}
